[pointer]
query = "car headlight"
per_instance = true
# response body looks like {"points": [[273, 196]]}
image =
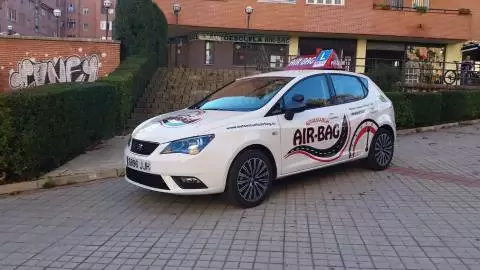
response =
{"points": [[129, 140], [191, 146]]}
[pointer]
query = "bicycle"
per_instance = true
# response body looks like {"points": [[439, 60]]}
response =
{"points": [[452, 76]]}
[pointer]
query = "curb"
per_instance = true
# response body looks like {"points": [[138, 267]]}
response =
{"points": [[61, 180], [437, 127], [83, 177]]}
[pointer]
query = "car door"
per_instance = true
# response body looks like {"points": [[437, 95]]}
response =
{"points": [[315, 136], [352, 99]]}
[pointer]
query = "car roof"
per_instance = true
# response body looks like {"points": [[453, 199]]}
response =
{"points": [[301, 73]]}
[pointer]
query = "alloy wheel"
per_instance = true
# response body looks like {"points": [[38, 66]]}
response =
{"points": [[383, 149], [253, 178]]}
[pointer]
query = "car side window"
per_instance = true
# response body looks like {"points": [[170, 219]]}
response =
{"points": [[347, 88], [315, 91]]}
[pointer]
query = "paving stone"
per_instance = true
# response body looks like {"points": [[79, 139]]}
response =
{"points": [[416, 215]]}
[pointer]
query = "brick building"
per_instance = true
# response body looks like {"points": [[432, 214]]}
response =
{"points": [[29, 17], [214, 33], [87, 19]]}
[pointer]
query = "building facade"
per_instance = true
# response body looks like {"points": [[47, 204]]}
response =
{"points": [[88, 19], [220, 33], [29, 17]]}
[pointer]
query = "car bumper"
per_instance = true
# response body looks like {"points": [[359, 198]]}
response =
{"points": [[165, 170]]}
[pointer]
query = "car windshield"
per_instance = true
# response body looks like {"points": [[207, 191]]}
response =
{"points": [[244, 95]]}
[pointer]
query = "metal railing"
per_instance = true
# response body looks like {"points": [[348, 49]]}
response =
{"points": [[406, 71], [398, 5]]}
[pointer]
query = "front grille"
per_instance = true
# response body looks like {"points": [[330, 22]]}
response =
{"points": [[146, 179], [143, 147]]}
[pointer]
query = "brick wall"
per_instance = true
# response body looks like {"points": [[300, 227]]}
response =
{"points": [[36, 61], [356, 17]]}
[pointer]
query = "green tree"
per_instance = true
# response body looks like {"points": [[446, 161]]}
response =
{"points": [[141, 27]]}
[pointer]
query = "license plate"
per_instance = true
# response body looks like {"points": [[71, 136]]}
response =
{"points": [[138, 164]]}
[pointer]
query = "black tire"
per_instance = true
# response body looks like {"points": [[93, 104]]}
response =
{"points": [[450, 77], [381, 150], [247, 189]]}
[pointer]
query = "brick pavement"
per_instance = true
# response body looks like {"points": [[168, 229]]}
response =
{"points": [[417, 215]]}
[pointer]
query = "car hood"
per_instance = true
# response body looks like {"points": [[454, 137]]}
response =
{"points": [[184, 123]]}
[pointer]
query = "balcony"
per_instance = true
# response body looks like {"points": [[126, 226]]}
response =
{"points": [[419, 18], [420, 6]]}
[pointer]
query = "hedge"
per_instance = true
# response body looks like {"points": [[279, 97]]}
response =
{"points": [[43, 127], [433, 108], [130, 80]]}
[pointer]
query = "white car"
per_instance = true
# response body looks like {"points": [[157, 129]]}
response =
{"points": [[242, 137]]}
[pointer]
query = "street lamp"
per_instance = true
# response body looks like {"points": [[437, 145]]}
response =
{"points": [[57, 13], [10, 29], [249, 12], [107, 4], [176, 10]]}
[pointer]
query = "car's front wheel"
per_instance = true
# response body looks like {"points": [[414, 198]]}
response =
{"points": [[381, 150], [250, 178]]}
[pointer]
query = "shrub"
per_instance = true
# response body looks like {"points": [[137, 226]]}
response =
{"points": [[426, 108], [130, 80], [432, 108], [43, 127], [403, 109], [456, 106], [141, 27]]}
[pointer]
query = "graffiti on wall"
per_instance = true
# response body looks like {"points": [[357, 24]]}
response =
{"points": [[30, 73]]}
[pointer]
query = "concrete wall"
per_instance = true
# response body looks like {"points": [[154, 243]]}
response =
{"points": [[33, 61]]}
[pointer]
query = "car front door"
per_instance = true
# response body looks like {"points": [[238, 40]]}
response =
{"points": [[316, 135]]}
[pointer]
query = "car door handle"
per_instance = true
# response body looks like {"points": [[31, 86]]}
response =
{"points": [[332, 116]]}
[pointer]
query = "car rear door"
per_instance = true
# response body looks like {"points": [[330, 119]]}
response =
{"points": [[352, 98]]}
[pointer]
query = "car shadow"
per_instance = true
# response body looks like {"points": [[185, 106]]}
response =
{"points": [[317, 175], [292, 183]]}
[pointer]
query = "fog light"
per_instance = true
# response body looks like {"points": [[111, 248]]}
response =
{"points": [[188, 182]]}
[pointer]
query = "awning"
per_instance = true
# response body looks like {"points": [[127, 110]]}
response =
{"points": [[471, 47]]}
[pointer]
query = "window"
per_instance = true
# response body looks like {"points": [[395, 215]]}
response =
{"points": [[111, 11], [71, 8], [326, 2], [347, 88], [71, 23], [276, 61], [85, 11], [12, 15], [314, 90], [43, 12], [244, 55], [85, 27], [22, 19], [244, 95], [209, 53], [103, 25], [420, 3], [104, 38]]}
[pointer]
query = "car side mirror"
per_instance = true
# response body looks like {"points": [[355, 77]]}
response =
{"points": [[290, 113], [298, 98]]}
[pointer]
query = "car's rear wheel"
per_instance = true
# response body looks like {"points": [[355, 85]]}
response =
{"points": [[381, 150], [250, 178]]}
